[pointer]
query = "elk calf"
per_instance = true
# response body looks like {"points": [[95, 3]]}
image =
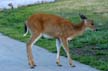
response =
{"points": [[52, 26]]}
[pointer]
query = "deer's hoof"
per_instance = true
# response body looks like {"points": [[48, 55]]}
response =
{"points": [[58, 64], [72, 65], [33, 66]]}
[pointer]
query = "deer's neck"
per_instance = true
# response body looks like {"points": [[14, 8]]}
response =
{"points": [[79, 28]]}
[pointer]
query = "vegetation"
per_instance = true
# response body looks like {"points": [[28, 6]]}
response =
{"points": [[90, 48]]}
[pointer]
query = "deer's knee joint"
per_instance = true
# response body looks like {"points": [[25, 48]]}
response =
{"points": [[28, 44]]}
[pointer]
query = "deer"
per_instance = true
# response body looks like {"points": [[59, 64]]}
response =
{"points": [[54, 27]]}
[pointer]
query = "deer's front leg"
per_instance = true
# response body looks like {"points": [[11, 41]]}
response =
{"points": [[58, 46], [65, 46]]}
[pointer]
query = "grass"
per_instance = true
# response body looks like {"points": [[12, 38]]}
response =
{"points": [[90, 48]]}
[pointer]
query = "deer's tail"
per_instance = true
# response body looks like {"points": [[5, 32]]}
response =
{"points": [[25, 29]]}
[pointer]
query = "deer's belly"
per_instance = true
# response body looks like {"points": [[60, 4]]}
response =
{"points": [[69, 38], [47, 36]]}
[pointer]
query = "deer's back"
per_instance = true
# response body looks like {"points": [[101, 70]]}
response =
{"points": [[49, 24]]}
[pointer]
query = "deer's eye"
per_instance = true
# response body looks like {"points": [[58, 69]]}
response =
{"points": [[92, 24]]}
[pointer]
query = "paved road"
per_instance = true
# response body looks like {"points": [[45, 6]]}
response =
{"points": [[13, 58]]}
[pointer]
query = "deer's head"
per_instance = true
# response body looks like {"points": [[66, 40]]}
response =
{"points": [[87, 23]]}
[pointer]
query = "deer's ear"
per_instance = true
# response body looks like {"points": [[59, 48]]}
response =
{"points": [[83, 17]]}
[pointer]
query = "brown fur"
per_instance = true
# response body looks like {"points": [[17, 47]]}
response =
{"points": [[54, 26]]}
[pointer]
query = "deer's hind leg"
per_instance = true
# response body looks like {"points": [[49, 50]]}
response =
{"points": [[34, 38]]}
